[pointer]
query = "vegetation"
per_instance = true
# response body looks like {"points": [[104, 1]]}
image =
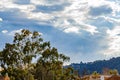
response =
{"points": [[30, 58], [113, 72], [95, 75], [101, 66], [18, 59]]}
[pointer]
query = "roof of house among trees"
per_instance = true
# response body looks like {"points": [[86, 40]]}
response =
{"points": [[115, 77]]}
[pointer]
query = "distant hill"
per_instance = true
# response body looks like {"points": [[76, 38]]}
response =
{"points": [[99, 65]]}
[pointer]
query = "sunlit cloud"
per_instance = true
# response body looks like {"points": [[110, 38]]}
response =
{"points": [[4, 31], [1, 19], [12, 33], [113, 39], [72, 29]]}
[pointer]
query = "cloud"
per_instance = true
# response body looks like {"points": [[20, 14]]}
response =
{"points": [[93, 21], [48, 9], [15, 17], [61, 14], [72, 29], [89, 28], [113, 20], [1, 19], [49, 2], [68, 13], [12, 33], [4, 31], [113, 40], [21, 2], [101, 10], [10, 4]]}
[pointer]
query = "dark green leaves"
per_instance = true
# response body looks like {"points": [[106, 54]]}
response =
{"points": [[17, 58]]}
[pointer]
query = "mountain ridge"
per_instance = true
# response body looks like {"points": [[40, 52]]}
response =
{"points": [[98, 65]]}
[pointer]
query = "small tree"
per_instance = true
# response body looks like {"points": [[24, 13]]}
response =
{"points": [[113, 72], [95, 74]]}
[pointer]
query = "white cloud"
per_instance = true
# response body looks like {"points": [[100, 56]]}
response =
{"points": [[1, 19], [76, 14], [74, 17], [9, 4], [39, 16], [72, 30], [113, 20], [113, 40], [40, 33], [48, 2], [4, 31], [89, 28], [12, 33]]}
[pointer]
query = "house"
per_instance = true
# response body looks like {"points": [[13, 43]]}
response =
{"points": [[4, 78], [1, 78], [98, 77], [114, 77]]}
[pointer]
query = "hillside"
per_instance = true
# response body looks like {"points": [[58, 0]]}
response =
{"points": [[99, 65]]}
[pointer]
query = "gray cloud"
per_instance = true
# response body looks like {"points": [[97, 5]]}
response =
{"points": [[101, 10], [15, 17], [21, 1], [48, 9]]}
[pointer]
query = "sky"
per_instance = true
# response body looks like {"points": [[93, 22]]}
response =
{"points": [[84, 30]]}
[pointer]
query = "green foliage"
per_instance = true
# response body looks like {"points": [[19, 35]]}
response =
{"points": [[16, 59], [95, 74], [113, 72], [49, 65], [18, 56]]}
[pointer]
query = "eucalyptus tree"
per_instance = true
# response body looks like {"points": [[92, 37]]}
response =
{"points": [[18, 56], [50, 65]]}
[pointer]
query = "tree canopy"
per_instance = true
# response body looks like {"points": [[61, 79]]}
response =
{"points": [[17, 58]]}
